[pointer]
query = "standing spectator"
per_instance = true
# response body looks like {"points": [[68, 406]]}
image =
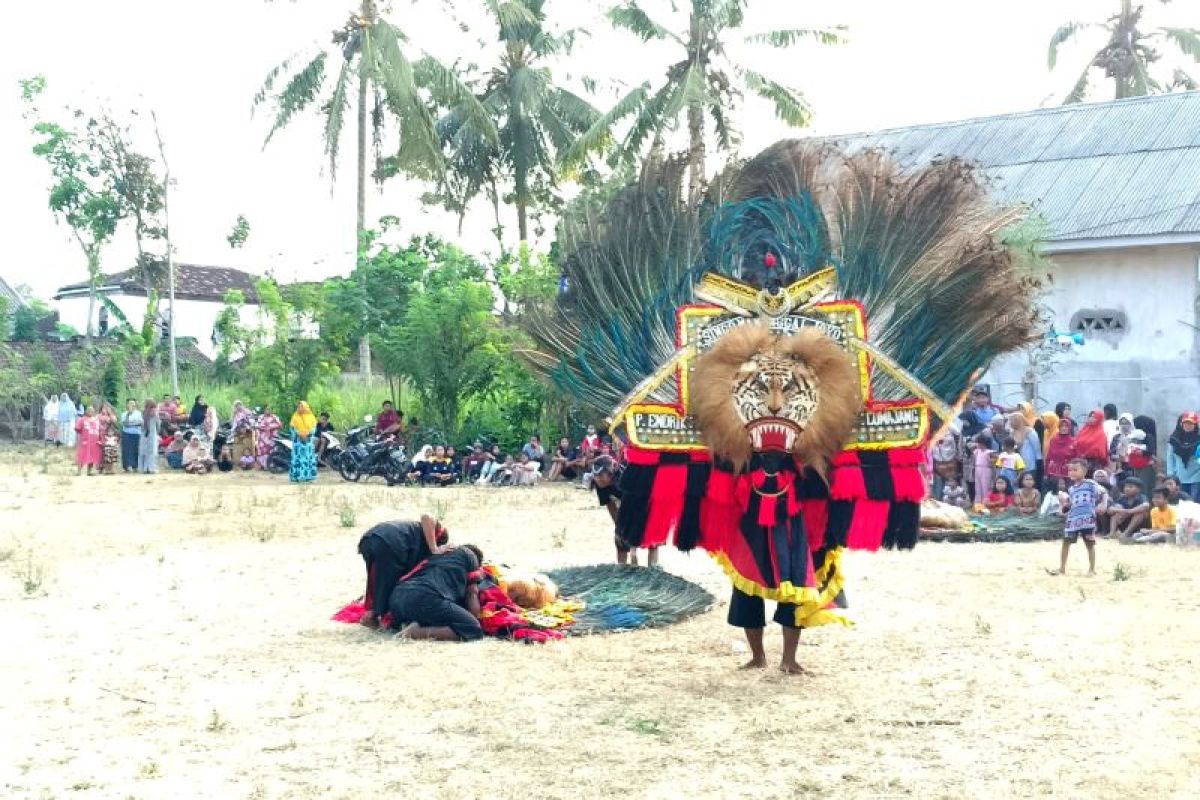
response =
{"points": [[1028, 444], [1112, 422], [1181, 455], [110, 439], [390, 422], [304, 458], [1009, 463], [131, 436], [1091, 443], [591, 440], [50, 420], [1059, 453], [983, 456], [66, 420], [1143, 452], [245, 448], [1120, 445], [88, 445], [944, 454], [1062, 410], [147, 460], [268, 428]]}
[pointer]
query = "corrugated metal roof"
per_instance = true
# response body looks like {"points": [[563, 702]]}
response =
{"points": [[1094, 170]]}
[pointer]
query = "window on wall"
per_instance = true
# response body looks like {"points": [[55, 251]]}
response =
{"points": [[1102, 321]]}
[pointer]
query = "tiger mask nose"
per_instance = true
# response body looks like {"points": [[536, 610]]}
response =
{"points": [[775, 398]]}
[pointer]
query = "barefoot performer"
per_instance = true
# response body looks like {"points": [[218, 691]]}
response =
{"points": [[439, 599], [390, 550], [830, 311]]}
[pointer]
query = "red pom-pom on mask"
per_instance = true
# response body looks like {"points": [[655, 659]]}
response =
{"points": [[769, 261]]}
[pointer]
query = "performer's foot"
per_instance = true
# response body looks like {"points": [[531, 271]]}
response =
{"points": [[793, 668], [1092, 574], [407, 631], [369, 621], [1054, 572], [755, 663]]}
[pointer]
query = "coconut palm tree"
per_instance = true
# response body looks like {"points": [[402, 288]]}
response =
{"points": [[1128, 54], [537, 119], [389, 81], [703, 82]]}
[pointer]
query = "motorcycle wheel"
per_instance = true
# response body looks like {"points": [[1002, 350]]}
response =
{"points": [[277, 466], [347, 469]]}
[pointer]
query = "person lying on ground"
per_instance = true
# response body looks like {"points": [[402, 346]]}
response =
{"points": [[1162, 520], [440, 599], [391, 550], [1130, 511]]}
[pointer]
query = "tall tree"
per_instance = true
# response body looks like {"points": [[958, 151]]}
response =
{"points": [[704, 86], [83, 194], [377, 65], [538, 120], [1128, 53]]}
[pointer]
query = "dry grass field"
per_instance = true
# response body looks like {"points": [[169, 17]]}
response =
{"points": [[169, 637]]}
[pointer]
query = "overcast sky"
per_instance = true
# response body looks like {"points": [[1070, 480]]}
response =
{"points": [[198, 65]]}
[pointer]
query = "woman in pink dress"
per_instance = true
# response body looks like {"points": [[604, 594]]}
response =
{"points": [[88, 448], [268, 426]]}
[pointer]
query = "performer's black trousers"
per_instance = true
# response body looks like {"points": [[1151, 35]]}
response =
{"points": [[748, 611], [383, 572]]}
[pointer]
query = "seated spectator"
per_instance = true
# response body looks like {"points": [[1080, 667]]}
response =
{"points": [[455, 463], [174, 450], [1000, 498], [438, 470], [474, 462], [390, 422], [225, 459], [492, 466], [954, 494], [1174, 490], [533, 449], [1162, 520], [1130, 511], [319, 442], [526, 472], [1104, 504], [1028, 499], [1055, 502], [197, 456], [560, 461]]}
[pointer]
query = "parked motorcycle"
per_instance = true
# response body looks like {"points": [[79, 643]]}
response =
{"points": [[280, 459], [331, 456], [364, 459]]}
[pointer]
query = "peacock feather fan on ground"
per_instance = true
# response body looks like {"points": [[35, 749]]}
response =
{"points": [[921, 249], [619, 597]]}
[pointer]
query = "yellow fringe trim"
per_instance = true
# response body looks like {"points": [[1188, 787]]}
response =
{"points": [[810, 601]]}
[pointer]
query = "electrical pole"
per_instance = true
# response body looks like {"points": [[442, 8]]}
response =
{"points": [[170, 259]]}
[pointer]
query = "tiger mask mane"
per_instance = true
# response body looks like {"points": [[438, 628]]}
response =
{"points": [[757, 390]]}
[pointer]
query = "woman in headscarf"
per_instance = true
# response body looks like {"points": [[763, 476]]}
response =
{"points": [[1120, 445], [1028, 444], [1182, 462], [1143, 453], [197, 457], [1060, 450], [944, 455], [1062, 410], [199, 411], [147, 461], [268, 427], [304, 457], [110, 437], [244, 447], [88, 452], [1092, 443], [1025, 409], [50, 420], [67, 417], [211, 423], [1047, 428]]}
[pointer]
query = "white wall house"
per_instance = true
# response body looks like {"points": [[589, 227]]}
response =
{"points": [[199, 299], [1119, 185]]}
